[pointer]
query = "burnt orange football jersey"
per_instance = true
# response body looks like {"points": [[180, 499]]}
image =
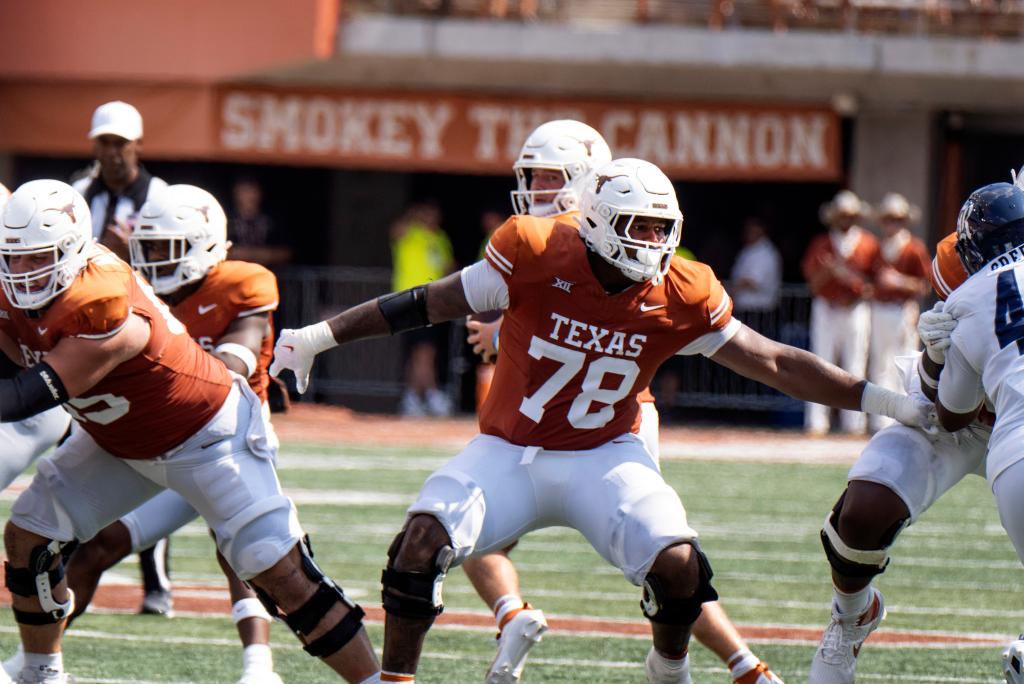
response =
{"points": [[232, 290], [948, 272], [573, 358], [148, 404]]}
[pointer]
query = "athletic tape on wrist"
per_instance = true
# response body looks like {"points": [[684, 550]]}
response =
{"points": [[241, 352]]}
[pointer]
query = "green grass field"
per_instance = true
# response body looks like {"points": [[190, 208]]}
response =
{"points": [[953, 573]]}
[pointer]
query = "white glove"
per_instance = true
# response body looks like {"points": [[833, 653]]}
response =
{"points": [[296, 349], [934, 328], [911, 411]]}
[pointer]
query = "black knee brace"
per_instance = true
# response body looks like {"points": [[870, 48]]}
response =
{"points": [[851, 562], [415, 594], [38, 580], [305, 619], [659, 607]]}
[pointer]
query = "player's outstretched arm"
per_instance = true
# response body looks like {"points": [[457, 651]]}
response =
{"points": [[807, 377], [74, 366], [440, 301]]}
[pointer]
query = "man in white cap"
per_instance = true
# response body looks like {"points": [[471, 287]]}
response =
{"points": [[118, 185], [900, 282], [839, 267], [115, 191]]}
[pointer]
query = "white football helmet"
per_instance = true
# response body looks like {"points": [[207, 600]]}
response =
{"points": [[616, 195], [5, 195], [568, 147], [192, 226], [43, 218]]}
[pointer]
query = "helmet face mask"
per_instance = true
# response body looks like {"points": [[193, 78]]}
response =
{"points": [[44, 242], [181, 234], [990, 224], [626, 198], [569, 149], [543, 201]]}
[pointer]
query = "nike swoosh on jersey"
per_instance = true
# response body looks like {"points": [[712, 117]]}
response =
{"points": [[651, 307], [42, 331], [206, 308]]}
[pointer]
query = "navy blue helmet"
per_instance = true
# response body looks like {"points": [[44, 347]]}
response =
{"points": [[991, 223]]}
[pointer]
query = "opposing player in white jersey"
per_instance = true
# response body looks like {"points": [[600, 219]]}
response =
{"points": [[551, 172], [899, 475], [985, 360], [25, 441], [591, 312], [180, 245]]}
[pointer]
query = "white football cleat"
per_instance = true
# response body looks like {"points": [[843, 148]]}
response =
{"points": [[1013, 662], [259, 676], [760, 674], [42, 676], [514, 642], [835, 661]]}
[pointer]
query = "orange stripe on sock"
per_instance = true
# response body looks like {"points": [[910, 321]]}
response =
{"points": [[508, 617], [396, 677]]}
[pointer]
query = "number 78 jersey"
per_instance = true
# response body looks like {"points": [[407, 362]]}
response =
{"points": [[574, 357]]}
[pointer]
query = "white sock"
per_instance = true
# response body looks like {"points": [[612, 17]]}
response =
{"points": [[853, 604], [668, 670], [257, 657], [505, 605], [13, 665], [372, 679], [741, 662], [50, 665]]}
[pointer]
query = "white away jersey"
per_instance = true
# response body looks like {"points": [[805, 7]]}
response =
{"points": [[986, 358]]}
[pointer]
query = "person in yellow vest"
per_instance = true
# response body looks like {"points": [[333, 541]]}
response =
{"points": [[421, 253]]}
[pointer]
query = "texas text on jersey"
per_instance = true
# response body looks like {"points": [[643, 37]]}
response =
{"points": [[573, 362], [232, 290], [126, 412]]}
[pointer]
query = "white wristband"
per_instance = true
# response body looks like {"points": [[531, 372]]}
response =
{"points": [[319, 336], [249, 608], [241, 352], [878, 400]]}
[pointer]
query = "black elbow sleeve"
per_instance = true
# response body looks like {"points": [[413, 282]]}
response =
{"points": [[31, 391], [405, 310]]}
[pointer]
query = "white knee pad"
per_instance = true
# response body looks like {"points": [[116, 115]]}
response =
{"points": [[259, 535]]}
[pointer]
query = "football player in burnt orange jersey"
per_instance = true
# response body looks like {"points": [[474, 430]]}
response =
{"points": [[590, 313], [156, 412], [26, 440], [180, 245], [550, 172]]}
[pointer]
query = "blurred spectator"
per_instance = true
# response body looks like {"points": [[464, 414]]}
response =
{"points": [[756, 278], [253, 235], [117, 185], [757, 273], [901, 279], [840, 268], [527, 9], [421, 253]]}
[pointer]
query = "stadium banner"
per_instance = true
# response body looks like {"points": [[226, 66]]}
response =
{"points": [[423, 131], [466, 134]]}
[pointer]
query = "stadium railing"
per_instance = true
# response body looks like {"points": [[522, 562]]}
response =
{"points": [[367, 375], [974, 18]]}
